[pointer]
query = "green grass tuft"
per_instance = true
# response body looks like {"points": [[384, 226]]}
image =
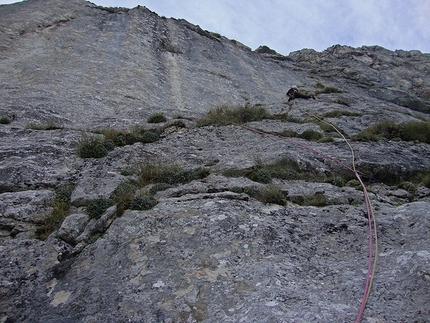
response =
{"points": [[123, 195], [97, 207], [152, 173], [311, 135], [411, 131], [90, 147], [226, 115], [149, 136], [143, 203], [156, 118], [60, 210], [271, 194], [48, 125]]}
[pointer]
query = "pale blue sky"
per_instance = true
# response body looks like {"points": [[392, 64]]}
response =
{"points": [[286, 25]]}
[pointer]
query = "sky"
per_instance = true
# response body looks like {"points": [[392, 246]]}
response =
{"points": [[287, 26]]}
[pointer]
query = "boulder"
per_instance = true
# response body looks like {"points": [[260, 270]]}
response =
{"points": [[72, 227]]}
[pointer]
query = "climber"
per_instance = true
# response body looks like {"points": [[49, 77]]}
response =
{"points": [[293, 93]]}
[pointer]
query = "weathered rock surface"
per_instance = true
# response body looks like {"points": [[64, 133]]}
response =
{"points": [[206, 252]]}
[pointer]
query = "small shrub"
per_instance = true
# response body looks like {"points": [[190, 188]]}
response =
{"points": [[149, 136], [409, 186], [52, 222], [288, 133], [49, 125], [123, 194], [169, 174], [225, 115], [287, 174], [97, 207], [326, 139], [233, 173], [260, 174], [109, 145], [311, 135], [271, 194], [119, 140], [327, 89], [237, 189], [156, 118], [108, 133], [252, 191], [425, 181], [127, 172], [181, 177], [4, 121], [338, 181], [149, 171], [416, 131], [355, 183], [64, 193], [91, 148], [60, 210], [143, 203], [317, 199], [388, 129], [131, 138]]}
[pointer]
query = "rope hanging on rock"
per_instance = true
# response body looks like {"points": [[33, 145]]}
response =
{"points": [[373, 237]]}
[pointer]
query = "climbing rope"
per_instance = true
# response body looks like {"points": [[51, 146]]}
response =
{"points": [[372, 223], [373, 237]]}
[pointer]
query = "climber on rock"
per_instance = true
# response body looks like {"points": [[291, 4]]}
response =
{"points": [[293, 93]]}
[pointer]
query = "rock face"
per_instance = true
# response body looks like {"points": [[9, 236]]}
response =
{"points": [[213, 248]]}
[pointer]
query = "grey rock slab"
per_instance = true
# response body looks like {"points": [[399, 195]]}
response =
{"points": [[72, 227], [37, 158], [26, 206], [230, 260], [203, 253], [95, 186]]}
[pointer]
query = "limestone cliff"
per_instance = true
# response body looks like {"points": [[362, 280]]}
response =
{"points": [[124, 199]]}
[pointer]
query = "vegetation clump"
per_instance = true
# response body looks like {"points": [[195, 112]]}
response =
{"points": [[226, 115], [287, 169], [4, 121], [143, 203], [311, 135], [148, 137], [123, 195], [49, 125], [97, 207], [153, 173], [91, 147], [317, 199], [270, 194], [156, 118], [60, 210], [326, 89], [390, 130]]}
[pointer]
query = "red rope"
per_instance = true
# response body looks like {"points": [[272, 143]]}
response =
{"points": [[370, 271]]}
